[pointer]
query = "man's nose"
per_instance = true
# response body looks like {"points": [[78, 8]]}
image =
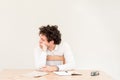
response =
{"points": [[40, 41]]}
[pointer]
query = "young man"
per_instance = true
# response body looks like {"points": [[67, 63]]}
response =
{"points": [[52, 54]]}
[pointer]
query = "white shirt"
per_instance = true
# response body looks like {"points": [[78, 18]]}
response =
{"points": [[60, 50]]}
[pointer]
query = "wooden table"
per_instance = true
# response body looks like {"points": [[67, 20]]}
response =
{"points": [[16, 74]]}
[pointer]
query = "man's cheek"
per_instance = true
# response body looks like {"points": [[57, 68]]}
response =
{"points": [[45, 43]]}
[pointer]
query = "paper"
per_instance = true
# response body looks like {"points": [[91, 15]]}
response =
{"points": [[62, 73], [67, 73], [35, 74]]}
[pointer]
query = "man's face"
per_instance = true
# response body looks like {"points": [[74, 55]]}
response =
{"points": [[43, 40]]}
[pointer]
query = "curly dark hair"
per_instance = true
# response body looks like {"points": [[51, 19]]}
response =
{"points": [[51, 32]]}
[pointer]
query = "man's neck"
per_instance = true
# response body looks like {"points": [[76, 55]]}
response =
{"points": [[52, 47]]}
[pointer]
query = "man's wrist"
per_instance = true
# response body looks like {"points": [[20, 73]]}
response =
{"points": [[56, 68]]}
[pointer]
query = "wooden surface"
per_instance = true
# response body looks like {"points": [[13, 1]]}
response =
{"points": [[16, 74]]}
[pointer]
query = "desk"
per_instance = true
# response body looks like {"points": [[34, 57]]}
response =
{"points": [[15, 74]]}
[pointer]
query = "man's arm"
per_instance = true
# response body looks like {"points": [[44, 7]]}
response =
{"points": [[69, 60], [40, 58]]}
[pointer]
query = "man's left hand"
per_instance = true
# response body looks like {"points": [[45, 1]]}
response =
{"points": [[49, 68]]}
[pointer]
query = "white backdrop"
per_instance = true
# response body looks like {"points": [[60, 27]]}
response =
{"points": [[91, 27]]}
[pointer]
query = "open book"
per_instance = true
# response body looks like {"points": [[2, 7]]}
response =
{"points": [[35, 74], [67, 73]]}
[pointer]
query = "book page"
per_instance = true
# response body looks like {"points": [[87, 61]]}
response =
{"points": [[62, 73], [67, 73]]}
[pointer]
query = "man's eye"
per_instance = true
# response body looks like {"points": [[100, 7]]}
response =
{"points": [[42, 39]]}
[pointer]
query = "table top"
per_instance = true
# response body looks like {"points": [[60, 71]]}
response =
{"points": [[16, 74]]}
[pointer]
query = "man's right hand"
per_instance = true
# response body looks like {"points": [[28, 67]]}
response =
{"points": [[43, 46]]}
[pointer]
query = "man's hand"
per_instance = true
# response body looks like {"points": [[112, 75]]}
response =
{"points": [[43, 46], [49, 68]]}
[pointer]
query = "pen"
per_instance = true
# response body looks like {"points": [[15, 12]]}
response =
{"points": [[37, 76], [66, 71]]}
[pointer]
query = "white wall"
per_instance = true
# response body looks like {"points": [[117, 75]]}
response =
{"points": [[91, 27]]}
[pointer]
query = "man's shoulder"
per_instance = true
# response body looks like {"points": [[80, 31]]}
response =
{"points": [[64, 44]]}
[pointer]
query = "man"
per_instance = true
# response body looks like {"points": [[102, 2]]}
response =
{"points": [[52, 54]]}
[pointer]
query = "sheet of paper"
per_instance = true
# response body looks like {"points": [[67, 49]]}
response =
{"points": [[67, 73], [64, 73], [35, 74]]}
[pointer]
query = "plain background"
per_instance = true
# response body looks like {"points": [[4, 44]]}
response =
{"points": [[91, 27]]}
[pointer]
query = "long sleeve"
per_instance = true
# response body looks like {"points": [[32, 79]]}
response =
{"points": [[40, 58], [69, 60]]}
